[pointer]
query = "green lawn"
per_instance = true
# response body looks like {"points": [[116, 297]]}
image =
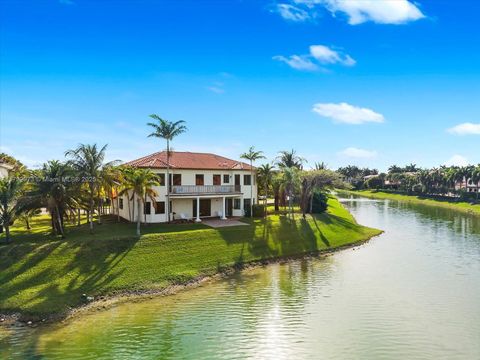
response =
{"points": [[459, 206], [40, 274]]}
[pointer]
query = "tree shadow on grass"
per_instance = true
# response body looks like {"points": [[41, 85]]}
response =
{"points": [[59, 279]]}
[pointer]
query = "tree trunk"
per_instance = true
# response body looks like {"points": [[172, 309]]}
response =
{"points": [[100, 206], [59, 222], [139, 217], [78, 217], [91, 211], [144, 212], [52, 222], [118, 207], [167, 205], [27, 223], [276, 196], [130, 217], [251, 189], [7, 233], [266, 201]]}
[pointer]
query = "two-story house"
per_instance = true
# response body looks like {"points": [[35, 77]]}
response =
{"points": [[468, 185], [201, 185]]}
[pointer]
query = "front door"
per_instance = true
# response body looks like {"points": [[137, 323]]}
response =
{"points": [[205, 207], [228, 207]]}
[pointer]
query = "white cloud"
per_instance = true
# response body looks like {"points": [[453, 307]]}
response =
{"points": [[297, 62], [465, 129], [353, 152], [216, 90], [347, 114], [457, 160], [292, 13], [319, 55], [361, 11], [326, 55]]}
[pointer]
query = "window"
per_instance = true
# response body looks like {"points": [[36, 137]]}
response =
{"points": [[160, 207], [177, 179], [246, 205], [148, 208], [226, 179], [199, 180], [247, 179], [161, 179], [217, 180], [237, 179], [236, 204], [120, 203]]}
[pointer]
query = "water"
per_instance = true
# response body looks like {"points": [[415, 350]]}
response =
{"points": [[411, 293]]}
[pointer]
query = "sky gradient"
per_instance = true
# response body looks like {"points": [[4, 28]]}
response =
{"points": [[364, 82]]}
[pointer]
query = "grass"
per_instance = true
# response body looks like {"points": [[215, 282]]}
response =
{"points": [[41, 275], [454, 205]]}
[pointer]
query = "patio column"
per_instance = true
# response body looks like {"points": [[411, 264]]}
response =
{"points": [[198, 210], [224, 209]]}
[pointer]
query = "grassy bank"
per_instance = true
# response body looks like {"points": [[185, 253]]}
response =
{"points": [[42, 275], [459, 206]]}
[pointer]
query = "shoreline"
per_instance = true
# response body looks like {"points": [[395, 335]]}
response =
{"points": [[108, 301], [414, 199]]}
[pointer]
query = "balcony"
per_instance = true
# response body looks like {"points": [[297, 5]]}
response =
{"points": [[205, 189]]}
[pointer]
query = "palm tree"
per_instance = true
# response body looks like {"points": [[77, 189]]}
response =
{"points": [[27, 215], [11, 202], [265, 174], [141, 182], [289, 159], [394, 169], [167, 130], [290, 181], [252, 156], [88, 162], [320, 166], [110, 178], [55, 192]]}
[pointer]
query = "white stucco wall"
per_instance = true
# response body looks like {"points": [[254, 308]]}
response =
{"points": [[184, 205]]}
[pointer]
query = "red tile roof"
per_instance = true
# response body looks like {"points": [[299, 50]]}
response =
{"points": [[188, 160]]}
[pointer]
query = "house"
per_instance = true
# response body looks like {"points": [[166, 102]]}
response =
{"points": [[468, 185], [202, 185], [5, 169]]}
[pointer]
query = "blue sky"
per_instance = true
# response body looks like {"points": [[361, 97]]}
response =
{"points": [[367, 82]]}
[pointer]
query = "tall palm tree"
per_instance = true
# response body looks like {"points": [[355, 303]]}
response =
{"points": [[11, 202], [291, 182], [141, 182], [167, 130], [289, 159], [55, 192], [88, 162], [252, 156], [265, 177]]}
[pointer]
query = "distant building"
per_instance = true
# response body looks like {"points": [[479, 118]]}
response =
{"points": [[468, 185]]}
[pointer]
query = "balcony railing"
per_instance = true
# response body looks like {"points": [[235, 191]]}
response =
{"points": [[205, 189]]}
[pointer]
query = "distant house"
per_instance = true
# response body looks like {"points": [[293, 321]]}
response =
{"points": [[202, 185], [5, 169], [468, 185]]}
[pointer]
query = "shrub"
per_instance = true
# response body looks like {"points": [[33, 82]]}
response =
{"points": [[319, 202], [374, 183], [258, 210]]}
